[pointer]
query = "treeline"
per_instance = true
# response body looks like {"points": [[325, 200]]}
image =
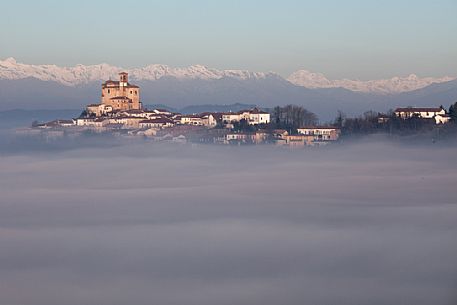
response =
{"points": [[288, 117], [375, 122], [291, 117]]}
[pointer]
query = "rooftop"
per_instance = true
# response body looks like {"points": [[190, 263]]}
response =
{"points": [[418, 109]]}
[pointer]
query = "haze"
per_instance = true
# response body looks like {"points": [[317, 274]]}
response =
{"points": [[343, 39], [141, 223]]}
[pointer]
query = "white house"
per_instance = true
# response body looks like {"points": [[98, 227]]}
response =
{"points": [[253, 117], [137, 113], [204, 119], [231, 117], [192, 119], [156, 123], [321, 133], [209, 120], [85, 121], [58, 123], [238, 137], [162, 111], [423, 112], [442, 118]]}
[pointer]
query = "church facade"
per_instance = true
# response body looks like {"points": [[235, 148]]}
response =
{"points": [[121, 95]]}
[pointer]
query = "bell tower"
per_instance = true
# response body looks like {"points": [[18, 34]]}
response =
{"points": [[123, 79]]}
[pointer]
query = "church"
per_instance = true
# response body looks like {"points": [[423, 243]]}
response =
{"points": [[121, 95]]}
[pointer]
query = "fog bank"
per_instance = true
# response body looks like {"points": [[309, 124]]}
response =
{"points": [[369, 223]]}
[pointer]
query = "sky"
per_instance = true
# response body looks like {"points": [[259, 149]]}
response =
{"points": [[358, 39], [368, 223]]}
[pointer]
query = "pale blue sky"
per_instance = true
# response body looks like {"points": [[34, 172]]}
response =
{"points": [[363, 39]]}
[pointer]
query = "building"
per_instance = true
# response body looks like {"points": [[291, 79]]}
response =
{"points": [[209, 119], [162, 111], [423, 112], [192, 119], [252, 117], [231, 138], [98, 109], [231, 117], [83, 121], [126, 121], [442, 118], [296, 140], [257, 116], [206, 119], [320, 133], [91, 122], [57, 123], [121, 95], [156, 123]]}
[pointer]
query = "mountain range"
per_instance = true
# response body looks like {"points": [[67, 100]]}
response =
{"points": [[24, 86], [80, 74]]}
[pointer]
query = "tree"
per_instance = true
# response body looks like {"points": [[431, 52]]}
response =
{"points": [[453, 113], [339, 120], [242, 125], [291, 117], [83, 114]]}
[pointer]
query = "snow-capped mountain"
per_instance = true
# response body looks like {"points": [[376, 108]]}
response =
{"points": [[412, 82], [80, 74], [10, 69]]}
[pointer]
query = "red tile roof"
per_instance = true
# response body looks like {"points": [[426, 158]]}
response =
{"points": [[418, 109], [157, 121], [318, 127]]}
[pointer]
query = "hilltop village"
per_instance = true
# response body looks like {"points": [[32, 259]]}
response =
{"points": [[121, 112]]}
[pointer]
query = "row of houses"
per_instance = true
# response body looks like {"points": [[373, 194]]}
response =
{"points": [[438, 114], [160, 118], [307, 136]]}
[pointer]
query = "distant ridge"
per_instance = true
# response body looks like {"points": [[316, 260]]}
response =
{"points": [[393, 85], [10, 69], [32, 93]]}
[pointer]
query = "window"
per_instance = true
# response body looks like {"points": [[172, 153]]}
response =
{"points": [[108, 91]]}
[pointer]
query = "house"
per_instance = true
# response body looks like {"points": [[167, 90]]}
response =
{"points": [[83, 121], [98, 109], [209, 119], [296, 140], [423, 112], [192, 119], [321, 133], [126, 121], [231, 117], [382, 119], [279, 133], [162, 111], [137, 113], [253, 117], [181, 139], [238, 138], [156, 123], [257, 116], [442, 118], [261, 136], [57, 123], [91, 122]]}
